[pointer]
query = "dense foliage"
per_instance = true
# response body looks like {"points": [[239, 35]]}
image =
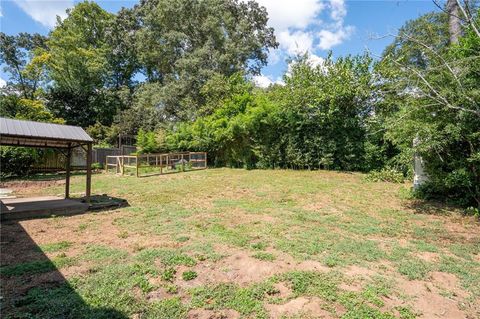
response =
{"points": [[316, 120], [436, 99]]}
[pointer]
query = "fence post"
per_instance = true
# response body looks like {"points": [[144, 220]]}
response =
{"points": [[67, 173], [161, 165], [136, 165], [123, 165]]}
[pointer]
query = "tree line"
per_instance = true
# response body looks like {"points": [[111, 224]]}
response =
{"points": [[178, 74]]}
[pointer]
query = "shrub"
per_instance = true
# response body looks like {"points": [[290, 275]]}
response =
{"points": [[385, 175], [97, 166], [16, 161], [472, 211]]}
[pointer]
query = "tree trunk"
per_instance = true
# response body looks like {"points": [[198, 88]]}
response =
{"points": [[454, 25]]}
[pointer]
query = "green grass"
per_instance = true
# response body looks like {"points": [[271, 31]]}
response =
{"points": [[54, 247], [180, 226], [414, 268], [264, 256]]}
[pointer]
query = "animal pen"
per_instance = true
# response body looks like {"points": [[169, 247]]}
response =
{"points": [[154, 164]]}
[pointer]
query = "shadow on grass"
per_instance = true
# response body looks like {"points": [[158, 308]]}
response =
{"points": [[430, 207], [32, 285]]}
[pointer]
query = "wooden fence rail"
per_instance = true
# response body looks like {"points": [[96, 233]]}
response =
{"points": [[154, 164]]}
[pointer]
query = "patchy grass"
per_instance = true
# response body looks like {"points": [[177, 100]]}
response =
{"points": [[248, 243], [54, 247]]}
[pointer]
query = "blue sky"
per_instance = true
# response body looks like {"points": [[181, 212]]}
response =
{"points": [[316, 26]]}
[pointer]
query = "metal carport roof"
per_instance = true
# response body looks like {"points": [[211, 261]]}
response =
{"points": [[36, 134]]}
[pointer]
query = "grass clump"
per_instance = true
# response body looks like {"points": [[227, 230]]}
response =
{"points": [[264, 256], [183, 239], [247, 301], [169, 274], [414, 268], [259, 245], [103, 253], [323, 285], [166, 309], [189, 275]]}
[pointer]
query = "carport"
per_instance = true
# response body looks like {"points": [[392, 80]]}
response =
{"points": [[64, 138]]}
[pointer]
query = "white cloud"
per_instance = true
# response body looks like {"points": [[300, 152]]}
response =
{"points": [[338, 10], [45, 11], [313, 59], [297, 42], [3, 83], [284, 14], [264, 81], [329, 39], [299, 27]]}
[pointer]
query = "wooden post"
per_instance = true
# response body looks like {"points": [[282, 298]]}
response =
{"points": [[67, 174], [89, 172], [205, 163], [161, 165], [137, 165], [183, 163], [123, 165]]}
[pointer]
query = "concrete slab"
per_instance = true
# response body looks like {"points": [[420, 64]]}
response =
{"points": [[32, 207]]}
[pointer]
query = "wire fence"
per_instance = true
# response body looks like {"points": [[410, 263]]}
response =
{"points": [[155, 164]]}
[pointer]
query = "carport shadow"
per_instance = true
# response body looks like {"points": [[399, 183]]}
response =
{"points": [[31, 284]]}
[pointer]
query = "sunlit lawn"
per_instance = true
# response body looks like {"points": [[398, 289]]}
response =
{"points": [[260, 243]]}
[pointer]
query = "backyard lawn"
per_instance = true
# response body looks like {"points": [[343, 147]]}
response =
{"points": [[223, 243]]}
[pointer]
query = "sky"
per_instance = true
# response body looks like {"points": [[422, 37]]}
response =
{"points": [[314, 26]]}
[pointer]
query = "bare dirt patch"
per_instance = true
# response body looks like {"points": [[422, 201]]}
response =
{"points": [[299, 306], [283, 290], [158, 294], [428, 256], [21, 188], [355, 271], [212, 314], [238, 267], [428, 302]]}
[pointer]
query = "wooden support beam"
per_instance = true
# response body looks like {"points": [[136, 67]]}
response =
{"points": [[89, 173], [67, 172]]}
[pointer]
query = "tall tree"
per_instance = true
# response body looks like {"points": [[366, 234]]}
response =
{"points": [[454, 23], [77, 62], [439, 102], [184, 43], [15, 53]]}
